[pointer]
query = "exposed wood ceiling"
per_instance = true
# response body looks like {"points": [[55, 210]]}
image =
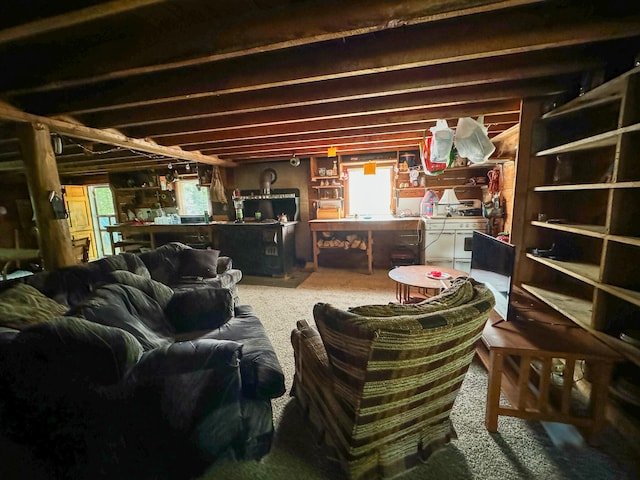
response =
{"points": [[236, 81]]}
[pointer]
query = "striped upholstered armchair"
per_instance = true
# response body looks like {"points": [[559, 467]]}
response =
{"points": [[378, 382]]}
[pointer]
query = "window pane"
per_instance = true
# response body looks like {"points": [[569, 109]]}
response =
{"points": [[104, 201], [370, 194], [192, 199]]}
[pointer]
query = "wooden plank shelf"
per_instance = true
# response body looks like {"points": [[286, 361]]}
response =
{"points": [[576, 309], [585, 186], [597, 231], [606, 139], [585, 272]]}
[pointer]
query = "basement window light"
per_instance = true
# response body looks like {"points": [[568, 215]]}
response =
{"points": [[191, 198], [369, 194]]}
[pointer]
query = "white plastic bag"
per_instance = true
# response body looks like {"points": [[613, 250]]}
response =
{"points": [[472, 141], [442, 142]]}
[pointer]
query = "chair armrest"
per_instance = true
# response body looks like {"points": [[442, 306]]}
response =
{"points": [[311, 360]]}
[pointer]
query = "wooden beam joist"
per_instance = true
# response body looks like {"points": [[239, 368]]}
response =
{"points": [[355, 110], [259, 31], [389, 50], [428, 117], [429, 80], [69, 19]]}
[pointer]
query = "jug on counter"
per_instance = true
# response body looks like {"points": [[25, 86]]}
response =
{"points": [[426, 204]]}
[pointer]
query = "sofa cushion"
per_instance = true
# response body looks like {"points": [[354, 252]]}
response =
{"points": [[73, 349], [73, 284], [23, 305], [163, 262], [160, 292], [201, 309], [130, 309], [198, 263], [129, 262]]}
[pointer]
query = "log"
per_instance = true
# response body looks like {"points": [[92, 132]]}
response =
{"points": [[41, 171]]}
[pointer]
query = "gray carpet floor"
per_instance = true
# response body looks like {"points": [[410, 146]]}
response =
{"points": [[520, 450]]}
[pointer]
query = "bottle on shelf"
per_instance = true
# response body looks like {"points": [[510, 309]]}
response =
{"points": [[426, 204]]}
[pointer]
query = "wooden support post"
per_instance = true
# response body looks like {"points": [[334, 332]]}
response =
{"points": [[42, 177]]}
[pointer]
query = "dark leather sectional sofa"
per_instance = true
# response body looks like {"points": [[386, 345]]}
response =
{"points": [[136, 366]]}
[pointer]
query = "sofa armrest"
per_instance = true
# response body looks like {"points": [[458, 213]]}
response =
{"points": [[199, 309], [183, 358], [197, 389], [224, 264], [262, 376]]}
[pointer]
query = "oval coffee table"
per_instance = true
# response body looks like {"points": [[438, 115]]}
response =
{"points": [[417, 276]]}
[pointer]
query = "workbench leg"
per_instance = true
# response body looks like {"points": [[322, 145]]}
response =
{"points": [[370, 251], [113, 242], [496, 361], [315, 250]]}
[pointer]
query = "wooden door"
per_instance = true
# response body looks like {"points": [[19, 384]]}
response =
{"points": [[80, 223]]}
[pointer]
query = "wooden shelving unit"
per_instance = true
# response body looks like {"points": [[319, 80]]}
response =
{"points": [[579, 166], [139, 190]]}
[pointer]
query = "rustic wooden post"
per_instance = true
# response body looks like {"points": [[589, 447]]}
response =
{"points": [[43, 179]]}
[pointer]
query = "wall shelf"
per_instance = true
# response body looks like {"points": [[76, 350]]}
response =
{"points": [[584, 169]]}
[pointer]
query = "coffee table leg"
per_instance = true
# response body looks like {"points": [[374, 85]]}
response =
{"points": [[403, 292], [496, 361]]}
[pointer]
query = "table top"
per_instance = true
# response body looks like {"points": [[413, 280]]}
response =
{"points": [[524, 336], [7, 254], [416, 275]]}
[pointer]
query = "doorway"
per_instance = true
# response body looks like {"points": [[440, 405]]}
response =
{"points": [[104, 214]]}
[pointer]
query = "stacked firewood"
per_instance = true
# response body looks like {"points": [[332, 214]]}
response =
{"points": [[350, 241]]}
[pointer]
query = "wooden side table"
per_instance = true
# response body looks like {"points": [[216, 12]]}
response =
{"points": [[519, 355]]}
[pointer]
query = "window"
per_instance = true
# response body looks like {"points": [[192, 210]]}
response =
{"points": [[191, 198], [369, 194]]}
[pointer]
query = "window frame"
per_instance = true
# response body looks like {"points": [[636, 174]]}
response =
{"points": [[392, 164]]}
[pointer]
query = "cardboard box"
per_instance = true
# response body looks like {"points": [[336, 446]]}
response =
{"points": [[328, 213]]}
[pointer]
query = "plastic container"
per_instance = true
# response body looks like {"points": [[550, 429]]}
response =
{"points": [[426, 204]]}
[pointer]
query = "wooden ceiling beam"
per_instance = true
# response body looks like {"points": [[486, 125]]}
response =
{"points": [[8, 112], [355, 108], [427, 116], [252, 32], [422, 79], [394, 49], [299, 147], [70, 19], [249, 137]]}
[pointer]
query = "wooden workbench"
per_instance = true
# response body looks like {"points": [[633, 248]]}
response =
{"points": [[360, 225], [144, 235], [9, 255]]}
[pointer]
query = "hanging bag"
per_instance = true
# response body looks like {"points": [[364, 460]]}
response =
{"points": [[430, 168], [472, 141], [442, 142]]}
